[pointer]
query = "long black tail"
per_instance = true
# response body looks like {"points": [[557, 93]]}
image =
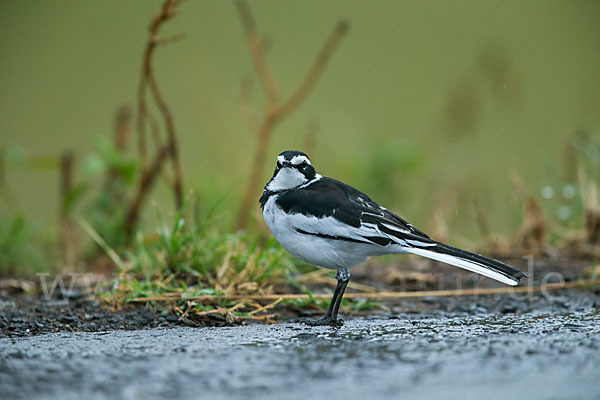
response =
{"points": [[473, 262]]}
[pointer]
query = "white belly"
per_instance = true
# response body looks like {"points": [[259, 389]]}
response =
{"points": [[327, 253]]}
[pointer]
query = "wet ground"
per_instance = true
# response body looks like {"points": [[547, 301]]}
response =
{"points": [[34, 315], [465, 348]]}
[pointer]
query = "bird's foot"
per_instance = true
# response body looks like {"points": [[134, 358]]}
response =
{"points": [[326, 320]]}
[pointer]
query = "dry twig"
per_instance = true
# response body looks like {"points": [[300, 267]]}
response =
{"points": [[263, 308], [275, 109], [378, 295], [170, 148], [67, 235]]}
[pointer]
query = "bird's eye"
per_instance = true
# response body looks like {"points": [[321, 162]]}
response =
{"points": [[303, 164]]}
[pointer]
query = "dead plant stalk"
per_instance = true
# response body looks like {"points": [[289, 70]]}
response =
{"points": [[275, 110], [377, 295], [168, 150]]}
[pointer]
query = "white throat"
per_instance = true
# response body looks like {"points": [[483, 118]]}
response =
{"points": [[286, 178]]}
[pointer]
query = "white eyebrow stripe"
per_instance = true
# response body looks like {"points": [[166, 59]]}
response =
{"points": [[280, 159], [299, 160]]}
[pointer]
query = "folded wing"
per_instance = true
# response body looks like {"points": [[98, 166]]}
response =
{"points": [[349, 215]]}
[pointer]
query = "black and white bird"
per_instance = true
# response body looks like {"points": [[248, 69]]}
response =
{"points": [[332, 225]]}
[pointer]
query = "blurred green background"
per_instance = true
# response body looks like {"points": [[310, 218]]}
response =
{"points": [[425, 105]]}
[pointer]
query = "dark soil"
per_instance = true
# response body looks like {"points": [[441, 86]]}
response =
{"points": [[28, 315], [31, 315]]}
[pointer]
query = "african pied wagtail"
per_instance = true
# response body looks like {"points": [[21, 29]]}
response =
{"points": [[332, 225]]}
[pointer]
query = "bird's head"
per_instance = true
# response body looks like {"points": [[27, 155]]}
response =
{"points": [[292, 171]]}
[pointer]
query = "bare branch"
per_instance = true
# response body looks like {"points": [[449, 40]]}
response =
{"points": [[171, 140], [67, 236], [257, 52], [122, 128], [168, 11], [154, 128], [275, 111], [315, 72], [145, 184], [170, 148], [169, 39], [142, 112], [246, 104]]}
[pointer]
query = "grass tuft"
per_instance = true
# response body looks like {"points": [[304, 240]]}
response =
{"points": [[196, 259]]}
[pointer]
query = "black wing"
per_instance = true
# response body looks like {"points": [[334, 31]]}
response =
{"points": [[345, 213], [331, 198]]}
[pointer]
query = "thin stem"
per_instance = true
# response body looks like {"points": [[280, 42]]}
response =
{"points": [[257, 52], [315, 71], [275, 110]]}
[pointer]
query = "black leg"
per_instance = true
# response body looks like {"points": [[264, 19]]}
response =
{"points": [[334, 298], [343, 277], [338, 300]]}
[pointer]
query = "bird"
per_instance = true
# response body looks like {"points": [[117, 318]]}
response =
{"points": [[332, 225]]}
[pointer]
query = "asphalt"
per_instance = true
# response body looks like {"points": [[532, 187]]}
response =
{"points": [[549, 353]]}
